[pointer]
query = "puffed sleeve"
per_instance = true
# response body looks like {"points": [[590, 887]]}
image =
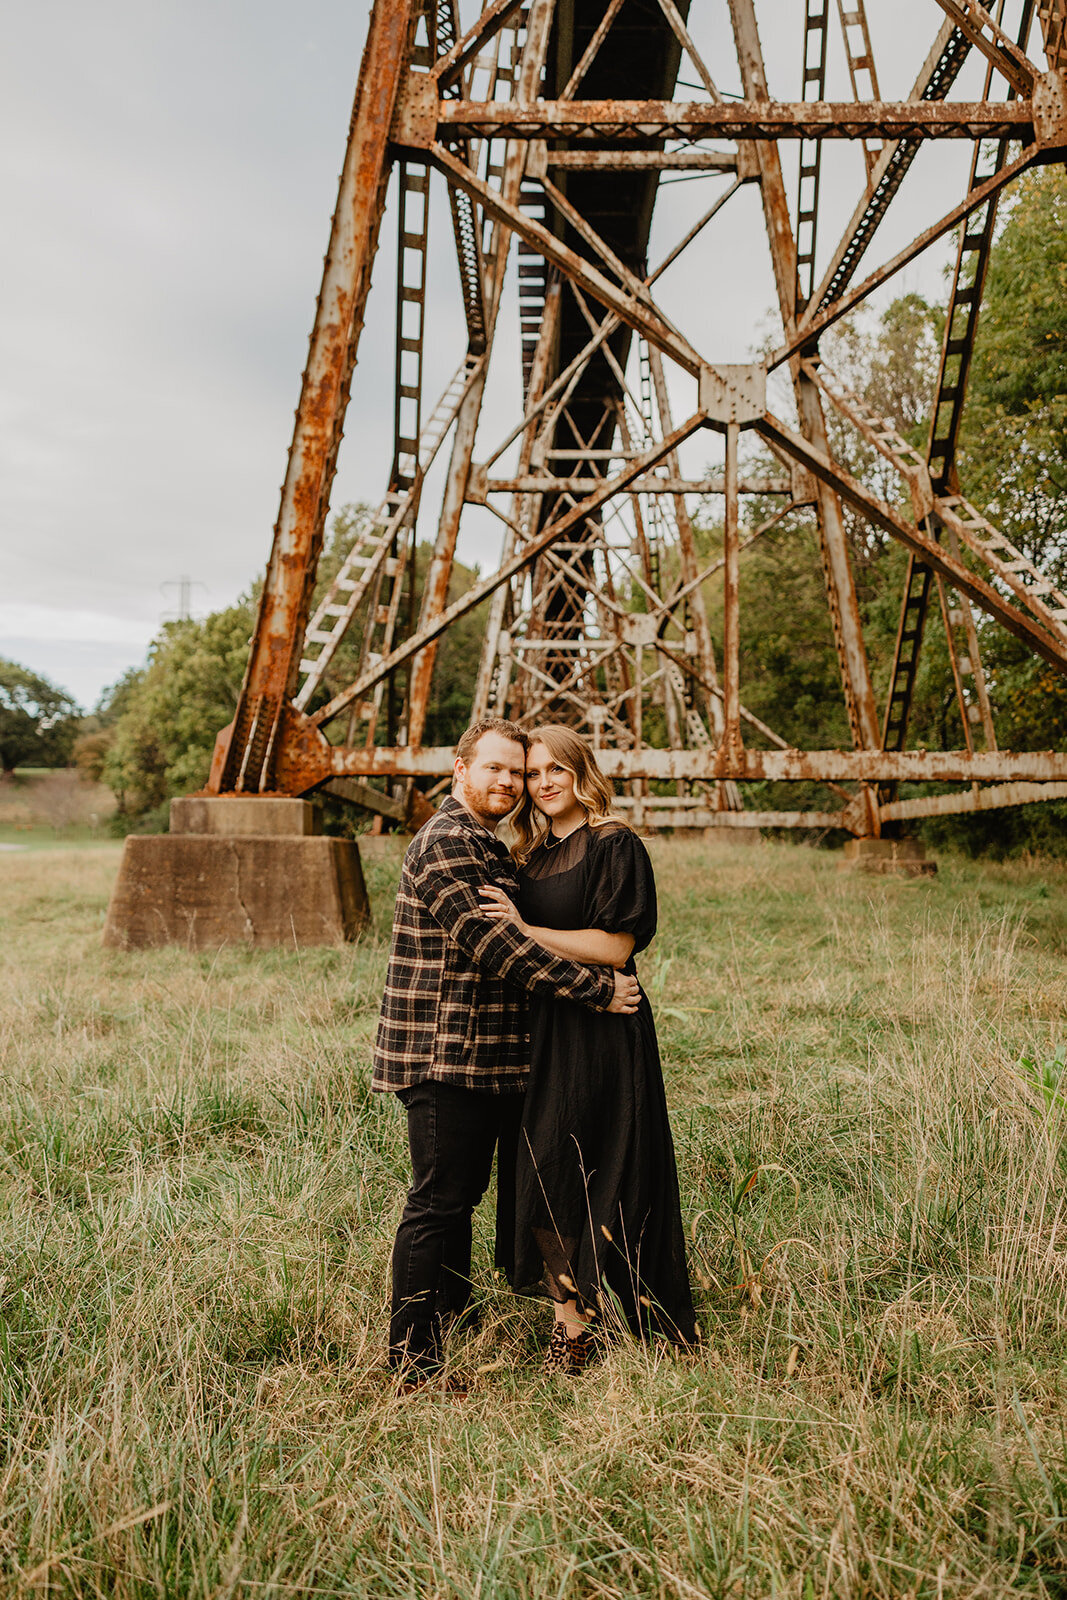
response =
{"points": [[622, 888]]}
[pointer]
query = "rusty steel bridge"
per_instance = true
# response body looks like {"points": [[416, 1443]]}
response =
{"points": [[550, 124]]}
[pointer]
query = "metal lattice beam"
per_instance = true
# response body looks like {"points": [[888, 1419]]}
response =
{"points": [[552, 127]]}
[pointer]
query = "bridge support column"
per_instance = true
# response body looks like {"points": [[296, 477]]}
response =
{"points": [[897, 858], [248, 869]]}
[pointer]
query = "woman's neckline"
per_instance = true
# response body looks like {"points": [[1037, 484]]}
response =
{"points": [[554, 840]]}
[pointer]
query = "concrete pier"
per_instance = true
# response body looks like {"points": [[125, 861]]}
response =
{"points": [[242, 869], [902, 858]]}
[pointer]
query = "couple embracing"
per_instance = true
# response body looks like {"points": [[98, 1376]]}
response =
{"points": [[512, 1022]]}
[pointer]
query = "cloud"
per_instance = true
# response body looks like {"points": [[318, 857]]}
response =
{"points": [[43, 623], [167, 175]]}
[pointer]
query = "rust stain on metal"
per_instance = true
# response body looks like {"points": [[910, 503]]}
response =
{"points": [[776, 766], [642, 121]]}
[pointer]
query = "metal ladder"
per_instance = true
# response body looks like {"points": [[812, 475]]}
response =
{"points": [[533, 269], [968, 282], [894, 163], [959, 518], [972, 259], [464, 215], [1015, 570], [658, 520], [375, 570], [414, 180], [533, 281], [813, 87], [371, 548], [861, 71], [961, 631]]}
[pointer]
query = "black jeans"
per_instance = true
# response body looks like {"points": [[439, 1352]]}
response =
{"points": [[452, 1133]]}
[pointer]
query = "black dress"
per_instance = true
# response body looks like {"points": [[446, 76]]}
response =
{"points": [[596, 1182]]}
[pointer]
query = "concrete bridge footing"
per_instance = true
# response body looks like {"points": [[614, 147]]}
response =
{"points": [[242, 869]]}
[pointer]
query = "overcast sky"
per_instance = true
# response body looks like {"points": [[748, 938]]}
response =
{"points": [[167, 174]]}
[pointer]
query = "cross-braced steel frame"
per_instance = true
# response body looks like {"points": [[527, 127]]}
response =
{"points": [[553, 124]]}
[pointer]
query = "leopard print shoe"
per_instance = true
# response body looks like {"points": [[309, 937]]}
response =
{"points": [[569, 1356], [555, 1357]]}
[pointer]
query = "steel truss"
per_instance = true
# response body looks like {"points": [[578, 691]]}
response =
{"points": [[552, 126]]}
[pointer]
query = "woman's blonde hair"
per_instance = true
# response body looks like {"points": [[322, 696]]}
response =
{"points": [[591, 789]]}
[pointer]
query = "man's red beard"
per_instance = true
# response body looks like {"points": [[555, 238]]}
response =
{"points": [[487, 802]]}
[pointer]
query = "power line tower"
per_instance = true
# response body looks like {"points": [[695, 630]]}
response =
{"points": [[553, 126], [185, 586]]}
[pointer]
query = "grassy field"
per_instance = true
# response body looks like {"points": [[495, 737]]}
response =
{"points": [[40, 808], [197, 1202]]}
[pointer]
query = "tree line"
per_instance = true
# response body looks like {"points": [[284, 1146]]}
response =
{"points": [[151, 736]]}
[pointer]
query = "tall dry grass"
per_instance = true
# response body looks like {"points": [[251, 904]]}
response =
{"points": [[39, 805], [197, 1202]]}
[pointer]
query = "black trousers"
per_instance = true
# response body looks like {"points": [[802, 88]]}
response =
{"points": [[452, 1134]]}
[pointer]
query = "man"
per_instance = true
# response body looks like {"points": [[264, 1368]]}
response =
{"points": [[453, 1042]]}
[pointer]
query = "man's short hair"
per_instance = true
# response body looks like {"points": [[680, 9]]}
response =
{"points": [[468, 743]]}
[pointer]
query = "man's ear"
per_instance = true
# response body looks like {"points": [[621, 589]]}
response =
{"points": [[459, 767]]}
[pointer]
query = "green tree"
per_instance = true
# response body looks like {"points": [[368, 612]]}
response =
{"points": [[156, 728], [38, 721], [1013, 451], [788, 666], [163, 719], [892, 358]]}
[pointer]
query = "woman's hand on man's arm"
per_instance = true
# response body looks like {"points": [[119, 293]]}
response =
{"points": [[495, 904]]}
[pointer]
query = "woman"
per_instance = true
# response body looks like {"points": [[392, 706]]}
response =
{"points": [[597, 1214]]}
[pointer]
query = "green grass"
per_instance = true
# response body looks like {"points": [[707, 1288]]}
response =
{"points": [[198, 1197]]}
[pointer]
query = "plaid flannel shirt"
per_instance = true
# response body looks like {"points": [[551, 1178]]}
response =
{"points": [[454, 1007]]}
